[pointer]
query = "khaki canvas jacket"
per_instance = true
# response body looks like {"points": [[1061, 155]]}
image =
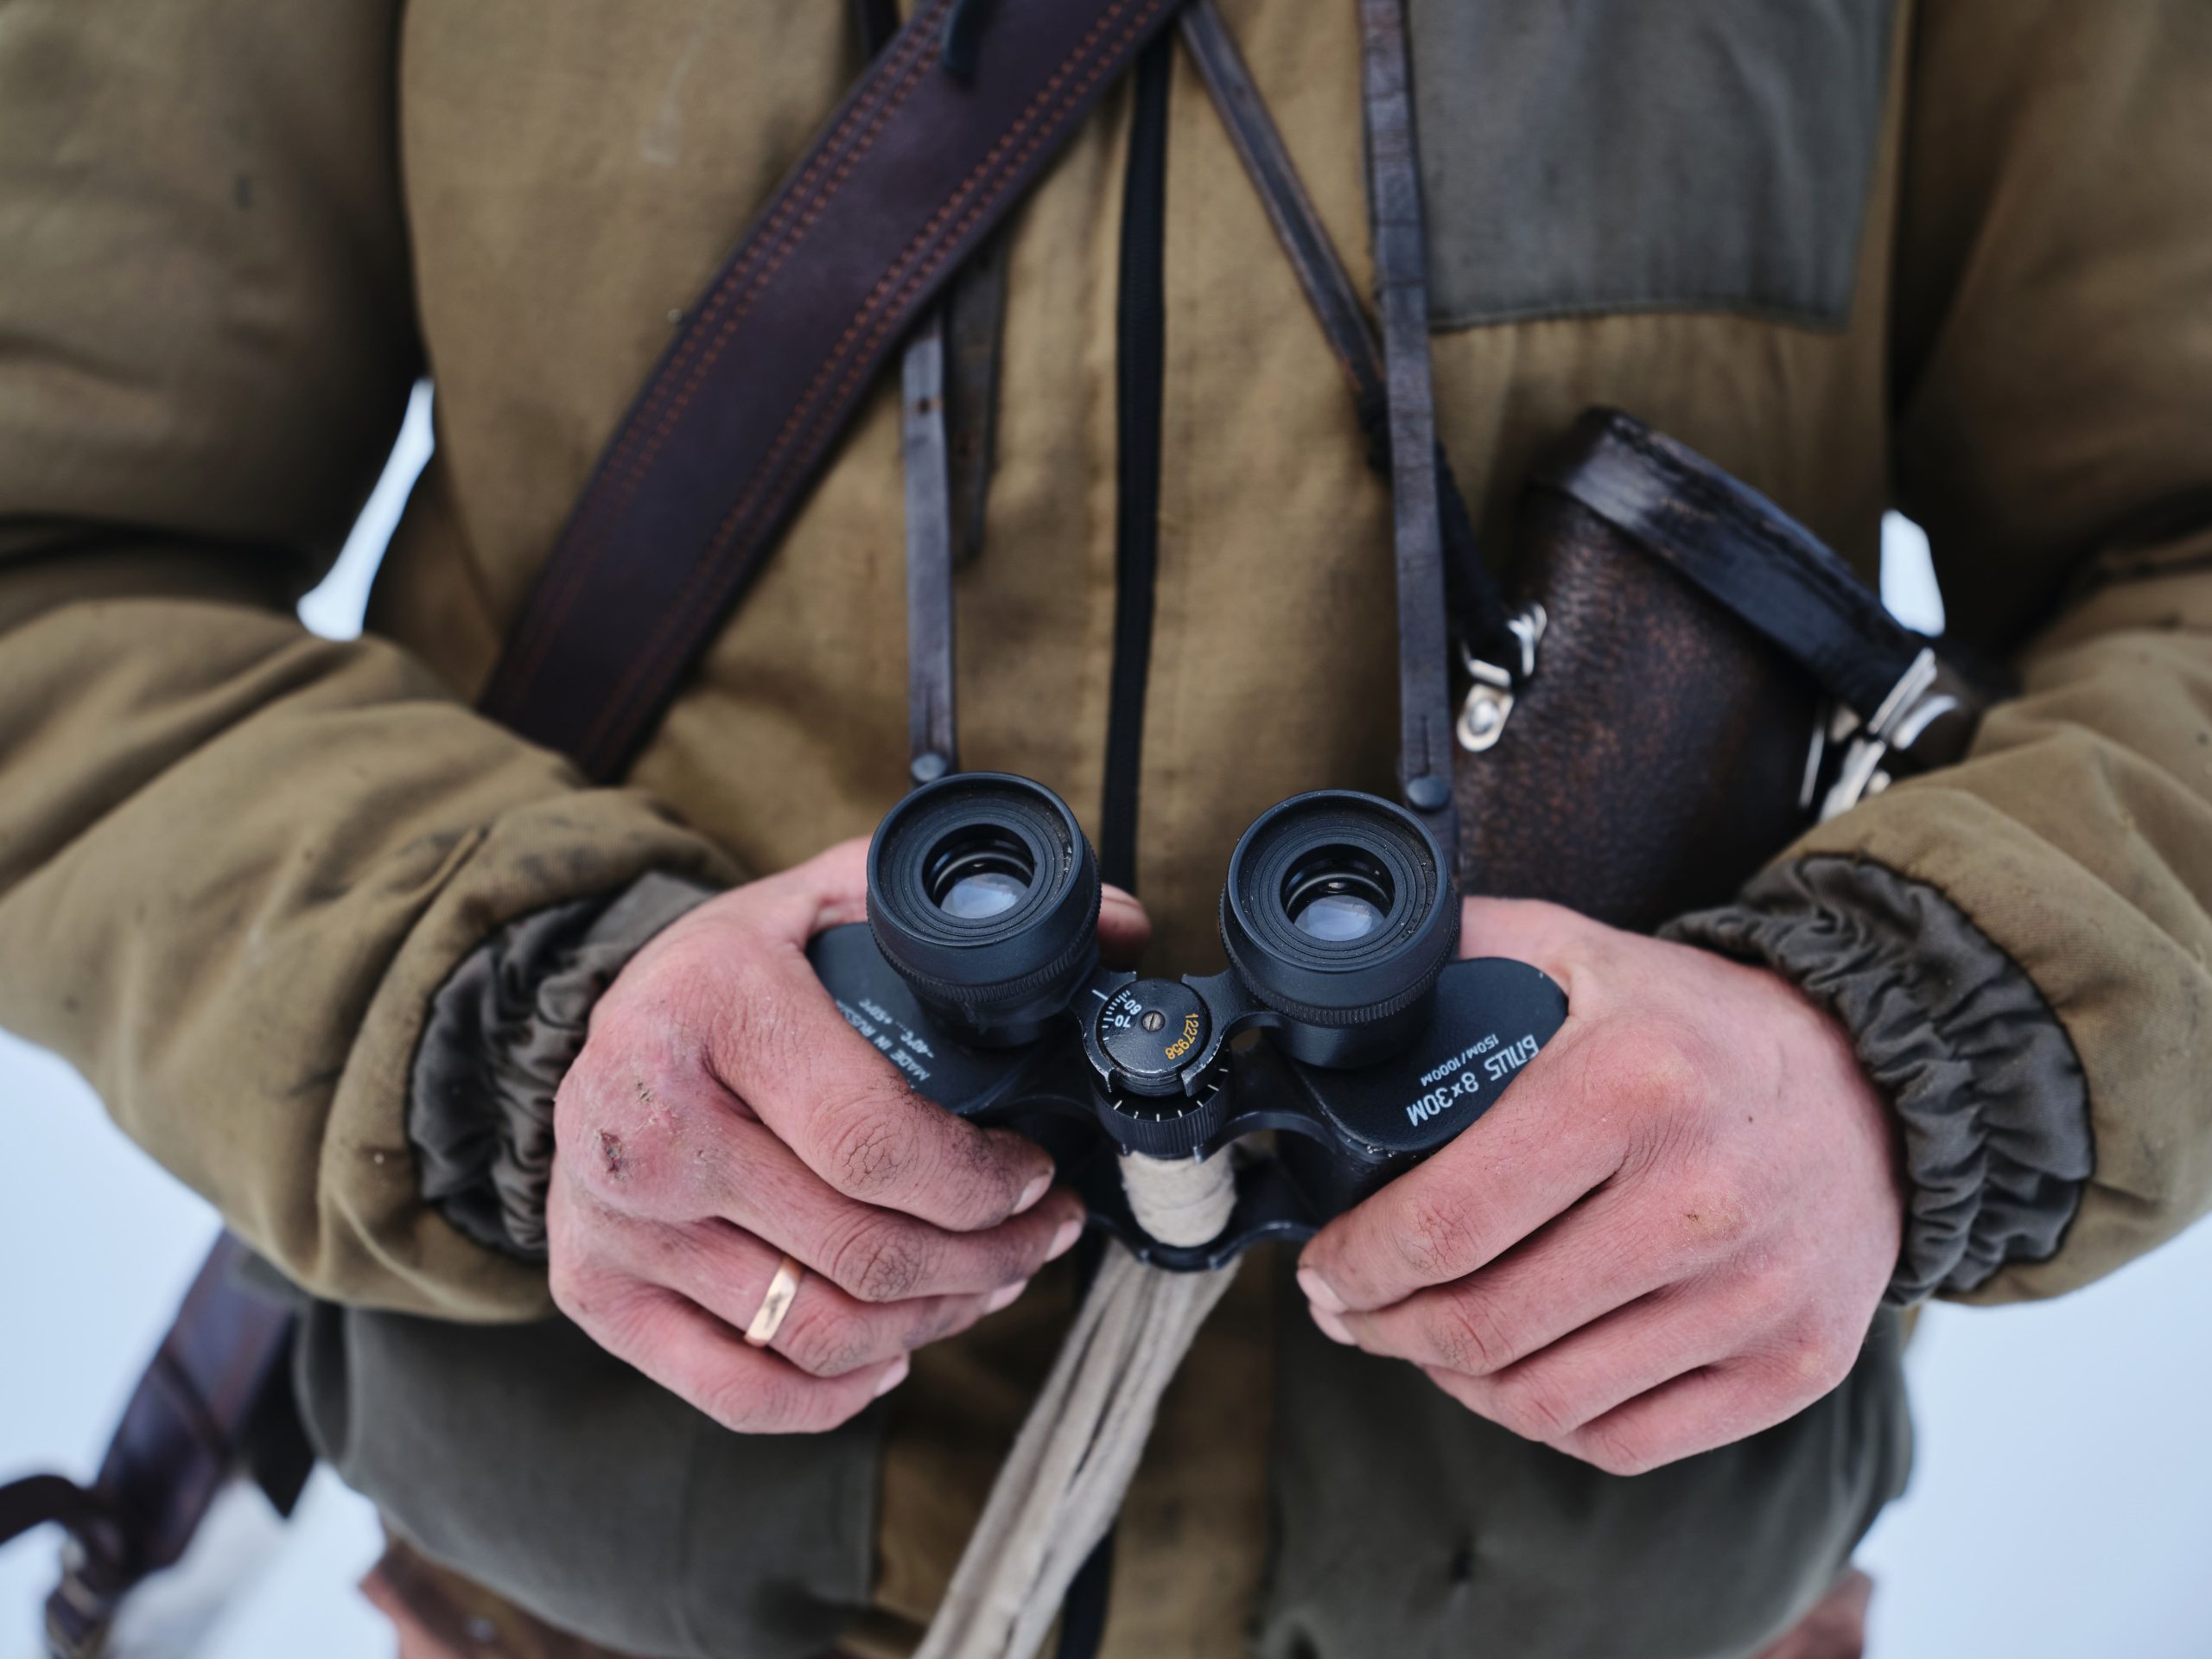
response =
{"points": [[1953, 257]]}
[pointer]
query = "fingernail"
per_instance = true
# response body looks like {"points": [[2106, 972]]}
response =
{"points": [[1331, 1327], [892, 1378], [1318, 1292], [1036, 1190], [1004, 1295], [1063, 1240]]}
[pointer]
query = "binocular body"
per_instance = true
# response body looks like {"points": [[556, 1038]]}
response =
{"points": [[1344, 1024]]}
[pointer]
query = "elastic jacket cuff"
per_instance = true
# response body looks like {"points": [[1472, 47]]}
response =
{"points": [[503, 1031], [1984, 1082]]}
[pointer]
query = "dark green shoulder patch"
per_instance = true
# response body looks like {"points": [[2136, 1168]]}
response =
{"points": [[1596, 155]]}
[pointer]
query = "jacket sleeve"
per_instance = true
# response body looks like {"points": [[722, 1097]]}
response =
{"points": [[237, 862], [2053, 379]]}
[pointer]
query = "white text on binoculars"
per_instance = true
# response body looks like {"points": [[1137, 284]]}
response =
{"points": [[900, 1044], [1465, 1079]]}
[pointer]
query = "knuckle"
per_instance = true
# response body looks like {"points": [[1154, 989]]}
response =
{"points": [[974, 1179], [1535, 1410], [612, 1309], [614, 1126], [1469, 1337], [1436, 1241], [1715, 1223], [570, 1286], [870, 1155], [1668, 1079], [829, 1342], [1615, 1450], [947, 1318], [1015, 1252], [884, 1261], [746, 1404], [1819, 1349]]}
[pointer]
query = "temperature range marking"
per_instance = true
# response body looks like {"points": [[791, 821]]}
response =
{"points": [[1465, 1080], [897, 1041], [1183, 1045]]}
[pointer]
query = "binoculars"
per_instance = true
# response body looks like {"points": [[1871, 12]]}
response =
{"points": [[1344, 1023]]}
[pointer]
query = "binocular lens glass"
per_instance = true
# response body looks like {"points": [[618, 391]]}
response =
{"points": [[982, 892], [1337, 894], [979, 872], [1338, 914]]}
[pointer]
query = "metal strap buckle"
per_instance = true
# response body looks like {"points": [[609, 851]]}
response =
{"points": [[1492, 688], [1909, 709]]}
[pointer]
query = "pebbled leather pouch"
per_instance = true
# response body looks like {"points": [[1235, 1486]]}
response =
{"points": [[1700, 680]]}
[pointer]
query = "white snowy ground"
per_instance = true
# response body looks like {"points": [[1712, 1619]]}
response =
{"points": [[2061, 1507]]}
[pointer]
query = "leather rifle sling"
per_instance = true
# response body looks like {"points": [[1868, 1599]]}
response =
{"points": [[216, 1402], [917, 166]]}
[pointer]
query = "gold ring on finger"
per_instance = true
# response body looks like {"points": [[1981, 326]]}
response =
{"points": [[776, 1304]]}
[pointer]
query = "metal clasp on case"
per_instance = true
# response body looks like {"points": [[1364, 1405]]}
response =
{"points": [[1912, 705], [1489, 695]]}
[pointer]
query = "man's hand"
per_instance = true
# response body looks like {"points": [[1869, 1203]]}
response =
{"points": [[722, 1114], [1671, 1232]]}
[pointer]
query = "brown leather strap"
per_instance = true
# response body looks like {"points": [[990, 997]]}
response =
{"points": [[911, 175], [931, 725], [215, 1400], [974, 320], [926, 457], [440, 1615], [1298, 226], [1475, 602], [1402, 284], [42, 1500]]}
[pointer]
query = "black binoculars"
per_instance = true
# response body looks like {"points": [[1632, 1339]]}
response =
{"points": [[977, 974]]}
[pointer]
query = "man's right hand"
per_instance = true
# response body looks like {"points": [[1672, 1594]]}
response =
{"points": [[723, 1115]]}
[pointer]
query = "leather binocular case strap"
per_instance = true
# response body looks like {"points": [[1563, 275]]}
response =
{"points": [[1442, 579], [907, 181], [1402, 294], [1747, 555]]}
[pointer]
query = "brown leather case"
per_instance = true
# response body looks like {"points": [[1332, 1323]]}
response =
{"points": [[1660, 743], [1653, 761]]}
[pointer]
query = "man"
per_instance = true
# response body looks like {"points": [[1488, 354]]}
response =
{"points": [[455, 1040]]}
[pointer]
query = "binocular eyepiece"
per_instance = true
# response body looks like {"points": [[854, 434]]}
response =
{"points": [[977, 974], [982, 891], [1338, 915]]}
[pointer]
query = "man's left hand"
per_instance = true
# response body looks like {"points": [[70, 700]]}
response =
{"points": [[1671, 1232]]}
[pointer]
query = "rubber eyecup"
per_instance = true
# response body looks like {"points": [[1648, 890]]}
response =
{"points": [[982, 892]]}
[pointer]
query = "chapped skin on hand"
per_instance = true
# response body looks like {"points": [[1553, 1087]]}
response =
{"points": [[688, 1138], [1674, 1233]]}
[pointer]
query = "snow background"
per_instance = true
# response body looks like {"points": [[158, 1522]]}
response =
{"points": [[2061, 1505]]}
